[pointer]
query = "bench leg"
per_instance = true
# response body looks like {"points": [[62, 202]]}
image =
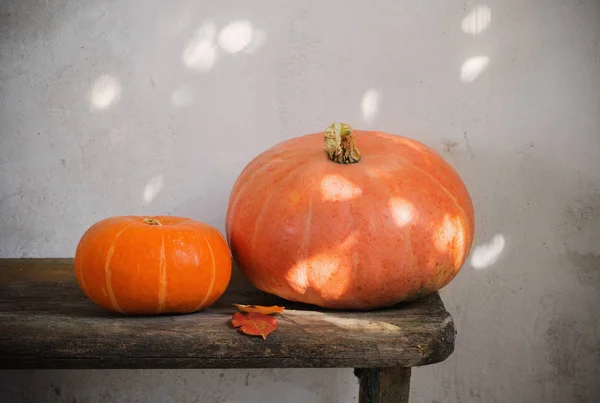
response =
{"points": [[383, 385]]}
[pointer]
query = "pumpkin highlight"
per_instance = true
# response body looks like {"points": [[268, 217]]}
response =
{"points": [[152, 265], [349, 219]]}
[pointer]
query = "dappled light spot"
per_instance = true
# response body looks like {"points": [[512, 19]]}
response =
{"points": [[324, 270], [375, 172], [445, 234], [300, 274], [406, 142], [297, 276], [200, 53], [349, 242], [235, 36], [403, 211], [450, 238], [370, 105], [259, 37], [106, 90], [360, 324], [303, 313], [488, 253], [473, 67], [477, 20], [153, 188], [330, 272], [182, 97], [337, 188], [460, 245]]}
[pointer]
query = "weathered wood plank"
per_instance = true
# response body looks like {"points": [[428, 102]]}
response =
{"points": [[47, 322]]}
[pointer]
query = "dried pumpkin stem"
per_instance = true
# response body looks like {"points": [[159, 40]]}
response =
{"points": [[152, 221], [339, 144]]}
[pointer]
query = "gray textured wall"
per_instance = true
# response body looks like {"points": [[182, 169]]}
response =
{"points": [[144, 107]]}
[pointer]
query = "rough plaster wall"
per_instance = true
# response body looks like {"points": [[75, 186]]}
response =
{"points": [[143, 107]]}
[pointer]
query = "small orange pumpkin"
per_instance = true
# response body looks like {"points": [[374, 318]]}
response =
{"points": [[315, 220], [152, 265]]}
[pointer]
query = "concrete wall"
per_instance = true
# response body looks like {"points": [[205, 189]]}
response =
{"points": [[146, 107]]}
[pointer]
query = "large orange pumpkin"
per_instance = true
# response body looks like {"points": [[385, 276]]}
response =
{"points": [[349, 219], [152, 265]]}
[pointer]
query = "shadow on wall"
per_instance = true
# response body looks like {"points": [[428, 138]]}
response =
{"points": [[202, 50]]}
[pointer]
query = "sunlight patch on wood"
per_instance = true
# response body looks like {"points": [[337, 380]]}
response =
{"points": [[361, 324]]}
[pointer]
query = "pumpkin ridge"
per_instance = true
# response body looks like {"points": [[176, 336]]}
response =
{"points": [[444, 188], [405, 230], [285, 179], [423, 282], [306, 241], [107, 271], [213, 277], [244, 186], [407, 236], [308, 225], [162, 276]]}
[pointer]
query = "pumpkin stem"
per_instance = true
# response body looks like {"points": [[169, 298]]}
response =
{"points": [[152, 221], [339, 144]]}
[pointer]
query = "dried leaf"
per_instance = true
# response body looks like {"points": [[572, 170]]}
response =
{"points": [[267, 310], [254, 323]]}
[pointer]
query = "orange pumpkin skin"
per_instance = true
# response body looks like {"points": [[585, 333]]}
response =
{"points": [[152, 265], [395, 226]]}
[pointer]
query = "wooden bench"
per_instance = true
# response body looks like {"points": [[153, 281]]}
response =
{"points": [[47, 322]]}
